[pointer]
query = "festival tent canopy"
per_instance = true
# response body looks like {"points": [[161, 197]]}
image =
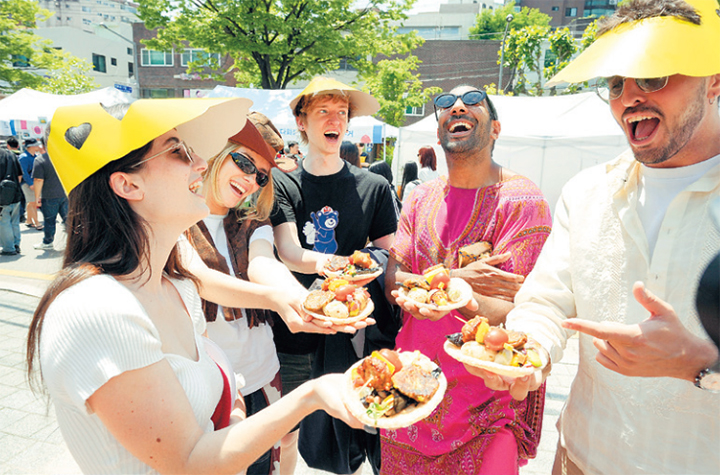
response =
{"points": [[26, 112], [275, 103], [547, 139]]}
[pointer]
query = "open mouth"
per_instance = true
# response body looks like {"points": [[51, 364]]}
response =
{"points": [[195, 187], [460, 127], [332, 136], [642, 127], [237, 188]]}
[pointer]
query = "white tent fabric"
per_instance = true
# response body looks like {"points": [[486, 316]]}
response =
{"points": [[547, 139], [27, 111], [274, 103]]}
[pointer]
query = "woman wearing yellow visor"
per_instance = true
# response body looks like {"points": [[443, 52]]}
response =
{"points": [[117, 336]]}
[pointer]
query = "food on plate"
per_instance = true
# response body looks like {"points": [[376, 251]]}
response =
{"points": [[339, 301], [495, 349], [391, 389], [474, 252], [436, 290], [359, 266]]}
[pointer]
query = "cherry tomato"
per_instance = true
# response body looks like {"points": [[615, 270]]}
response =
{"points": [[495, 339], [341, 293]]}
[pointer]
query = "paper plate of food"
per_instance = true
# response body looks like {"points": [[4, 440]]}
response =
{"points": [[391, 389], [339, 302], [359, 266], [495, 349], [435, 290]]}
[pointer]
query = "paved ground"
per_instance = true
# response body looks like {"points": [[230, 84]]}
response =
{"points": [[30, 442]]}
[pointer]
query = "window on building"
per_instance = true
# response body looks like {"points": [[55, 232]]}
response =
{"points": [[113, 61], [157, 93], [99, 63], [555, 9], [150, 57], [20, 61], [415, 111], [129, 50], [131, 70], [86, 21], [191, 55], [571, 12], [87, 9]]}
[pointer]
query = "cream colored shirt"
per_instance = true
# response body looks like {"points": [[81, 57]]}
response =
{"points": [[613, 424]]}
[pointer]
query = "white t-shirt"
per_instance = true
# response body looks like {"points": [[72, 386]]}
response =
{"points": [[427, 174], [96, 330], [658, 187], [250, 350]]}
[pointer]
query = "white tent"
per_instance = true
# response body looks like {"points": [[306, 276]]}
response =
{"points": [[547, 139], [26, 112], [275, 103]]}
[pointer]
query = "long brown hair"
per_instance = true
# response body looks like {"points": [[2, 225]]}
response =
{"points": [[428, 158], [105, 236]]}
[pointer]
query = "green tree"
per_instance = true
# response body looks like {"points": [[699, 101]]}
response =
{"points": [[523, 51], [490, 24], [20, 46], [274, 43], [396, 88], [562, 47]]}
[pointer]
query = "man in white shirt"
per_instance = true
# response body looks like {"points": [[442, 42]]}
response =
{"points": [[643, 217]]}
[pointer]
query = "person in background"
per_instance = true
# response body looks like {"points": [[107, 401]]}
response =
{"points": [[118, 335], [50, 197], [629, 243], [428, 164], [350, 153], [10, 213], [383, 169], [409, 180], [293, 148], [475, 430], [325, 208], [27, 159]]}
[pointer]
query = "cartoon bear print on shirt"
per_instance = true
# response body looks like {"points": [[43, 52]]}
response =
{"points": [[325, 221]]}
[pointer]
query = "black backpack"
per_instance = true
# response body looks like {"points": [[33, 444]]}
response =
{"points": [[8, 187]]}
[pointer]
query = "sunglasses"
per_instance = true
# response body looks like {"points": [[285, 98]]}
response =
{"points": [[470, 98], [181, 147], [612, 88], [248, 167]]}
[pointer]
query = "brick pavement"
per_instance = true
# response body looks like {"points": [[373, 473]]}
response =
{"points": [[30, 442]]}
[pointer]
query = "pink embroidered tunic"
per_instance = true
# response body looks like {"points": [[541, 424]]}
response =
{"points": [[436, 222]]}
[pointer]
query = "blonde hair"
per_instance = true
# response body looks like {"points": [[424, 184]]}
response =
{"points": [[307, 101], [261, 202]]}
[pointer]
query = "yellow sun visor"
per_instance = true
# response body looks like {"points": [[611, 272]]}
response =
{"points": [[652, 47], [361, 103], [204, 124]]}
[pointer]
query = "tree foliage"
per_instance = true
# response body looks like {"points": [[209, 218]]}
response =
{"points": [[27, 60], [490, 24], [274, 43], [394, 85]]}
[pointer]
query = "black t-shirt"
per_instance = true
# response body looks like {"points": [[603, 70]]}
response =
{"points": [[44, 170], [334, 214]]}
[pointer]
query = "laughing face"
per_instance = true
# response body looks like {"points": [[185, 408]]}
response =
{"points": [[230, 185], [465, 129], [659, 125], [325, 123]]}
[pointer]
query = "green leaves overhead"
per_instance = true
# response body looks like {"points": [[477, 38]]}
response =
{"points": [[27, 60], [274, 43]]}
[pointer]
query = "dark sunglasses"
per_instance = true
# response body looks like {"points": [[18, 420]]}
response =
{"points": [[470, 98], [248, 167], [611, 88]]}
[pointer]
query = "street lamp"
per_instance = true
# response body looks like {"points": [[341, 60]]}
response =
{"points": [[508, 19]]}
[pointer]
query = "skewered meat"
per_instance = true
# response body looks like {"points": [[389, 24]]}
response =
{"points": [[416, 383]]}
